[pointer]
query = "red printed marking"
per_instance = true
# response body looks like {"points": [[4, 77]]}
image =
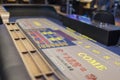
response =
{"points": [[31, 33], [36, 36], [91, 77], [60, 50], [83, 69], [74, 62], [77, 64], [43, 39]]}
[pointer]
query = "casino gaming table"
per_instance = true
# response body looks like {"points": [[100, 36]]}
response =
{"points": [[38, 44]]}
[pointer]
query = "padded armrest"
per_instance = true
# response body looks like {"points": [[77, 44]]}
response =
{"points": [[31, 10]]}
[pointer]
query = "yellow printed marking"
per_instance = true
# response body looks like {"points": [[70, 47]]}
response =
{"points": [[87, 46], [43, 46], [57, 44], [92, 61], [62, 44], [65, 44], [80, 42], [50, 32], [59, 38], [88, 38], [117, 63], [44, 33], [80, 37], [96, 51], [52, 45], [55, 39], [47, 32], [48, 45], [85, 36], [71, 30], [106, 57], [52, 39], [37, 23], [55, 28]]}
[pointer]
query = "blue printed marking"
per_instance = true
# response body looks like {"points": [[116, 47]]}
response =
{"points": [[37, 39], [56, 35]]}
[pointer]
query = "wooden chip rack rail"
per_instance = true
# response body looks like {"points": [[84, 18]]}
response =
{"points": [[37, 67]]}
